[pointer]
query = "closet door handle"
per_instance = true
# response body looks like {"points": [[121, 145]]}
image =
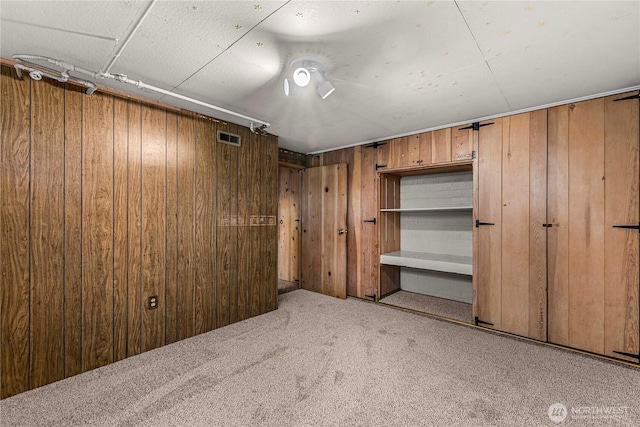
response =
{"points": [[630, 227], [479, 223]]}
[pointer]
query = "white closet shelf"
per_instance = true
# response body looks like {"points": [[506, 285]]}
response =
{"points": [[449, 209], [427, 261]]}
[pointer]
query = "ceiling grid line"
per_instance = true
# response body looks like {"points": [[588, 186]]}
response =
{"points": [[504, 97], [230, 46]]}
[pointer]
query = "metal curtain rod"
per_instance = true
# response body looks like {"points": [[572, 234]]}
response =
{"points": [[67, 67]]}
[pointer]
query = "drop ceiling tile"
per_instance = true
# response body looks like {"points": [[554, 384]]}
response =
{"points": [[545, 73], [500, 26], [178, 38], [83, 33], [459, 96]]}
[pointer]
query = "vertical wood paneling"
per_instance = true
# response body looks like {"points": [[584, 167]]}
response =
{"points": [[586, 225], [489, 253], [47, 234], [514, 298], [186, 225], [245, 263], [97, 227], [329, 201], [353, 159], [286, 227], [311, 229], [284, 230], [413, 150], [352, 156], [101, 209], [73, 231], [441, 146], [206, 304], [537, 233], [271, 209], [234, 161], [14, 241], [621, 290], [558, 216], [369, 206], [461, 143], [323, 214], [225, 155], [261, 229], [134, 235], [120, 147], [256, 161], [475, 234], [154, 146], [172, 261], [424, 141]]}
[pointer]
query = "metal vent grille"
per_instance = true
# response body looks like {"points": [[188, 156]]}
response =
{"points": [[228, 138]]}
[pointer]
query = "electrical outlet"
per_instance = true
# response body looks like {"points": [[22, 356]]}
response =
{"points": [[152, 302]]}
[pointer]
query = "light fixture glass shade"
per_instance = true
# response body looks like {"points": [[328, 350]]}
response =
{"points": [[325, 89], [301, 76], [290, 89]]}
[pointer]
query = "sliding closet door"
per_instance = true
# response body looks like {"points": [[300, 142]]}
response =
{"points": [[511, 226], [593, 261]]}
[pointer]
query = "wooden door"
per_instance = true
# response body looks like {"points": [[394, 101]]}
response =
{"points": [[593, 187], [488, 238], [441, 146], [462, 143], [288, 225], [324, 225], [511, 282], [395, 154]]}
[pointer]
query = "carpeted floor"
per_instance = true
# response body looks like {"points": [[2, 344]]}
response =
{"points": [[432, 305], [284, 287], [320, 361]]}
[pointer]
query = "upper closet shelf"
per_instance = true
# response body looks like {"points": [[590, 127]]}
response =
{"points": [[445, 209]]}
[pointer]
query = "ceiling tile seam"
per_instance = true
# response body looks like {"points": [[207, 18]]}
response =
{"points": [[62, 30], [128, 34], [230, 46], [482, 54]]}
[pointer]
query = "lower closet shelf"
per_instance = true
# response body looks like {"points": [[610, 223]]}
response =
{"points": [[428, 261]]}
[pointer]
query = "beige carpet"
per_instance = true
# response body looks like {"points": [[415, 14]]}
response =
{"points": [[432, 305], [284, 287], [320, 361]]}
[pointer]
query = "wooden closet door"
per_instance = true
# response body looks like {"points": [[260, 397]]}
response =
{"points": [[511, 267], [324, 224], [488, 227], [593, 186]]}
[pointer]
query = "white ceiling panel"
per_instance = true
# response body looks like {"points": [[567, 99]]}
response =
{"points": [[398, 66], [503, 26], [84, 33], [544, 73], [194, 32]]}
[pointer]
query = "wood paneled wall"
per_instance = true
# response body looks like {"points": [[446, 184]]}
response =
{"points": [[106, 202], [288, 224]]}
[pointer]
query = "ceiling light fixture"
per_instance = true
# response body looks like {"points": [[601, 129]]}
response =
{"points": [[303, 69]]}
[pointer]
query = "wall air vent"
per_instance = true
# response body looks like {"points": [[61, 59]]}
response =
{"points": [[228, 138]]}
